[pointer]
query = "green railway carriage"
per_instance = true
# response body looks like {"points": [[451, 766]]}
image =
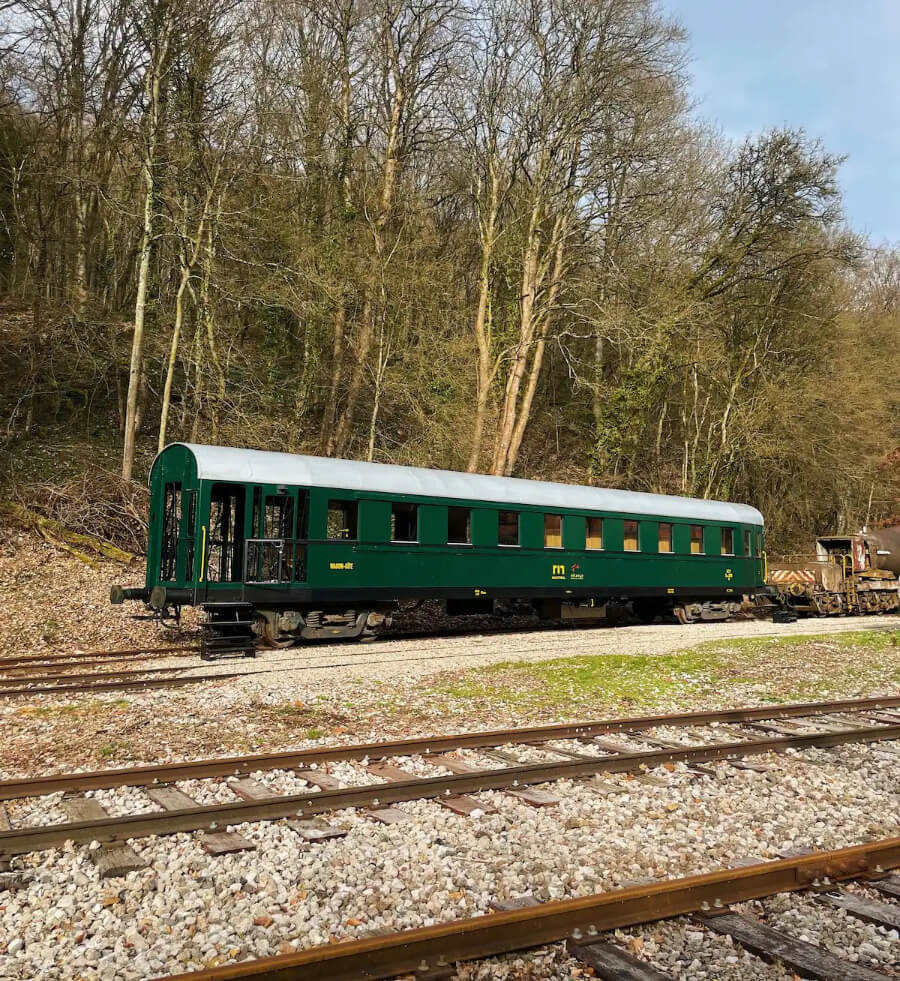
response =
{"points": [[296, 547]]}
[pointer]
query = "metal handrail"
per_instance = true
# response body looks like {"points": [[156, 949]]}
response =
{"points": [[289, 556]]}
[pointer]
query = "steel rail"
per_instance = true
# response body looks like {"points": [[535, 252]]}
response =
{"points": [[16, 673], [582, 919], [140, 776], [136, 652], [147, 683], [27, 679], [218, 816]]}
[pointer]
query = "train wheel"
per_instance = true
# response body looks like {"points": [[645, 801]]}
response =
{"points": [[687, 614], [273, 638]]}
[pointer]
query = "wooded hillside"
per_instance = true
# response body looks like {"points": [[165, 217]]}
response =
{"points": [[484, 234]]}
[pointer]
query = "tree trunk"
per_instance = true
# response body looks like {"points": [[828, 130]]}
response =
{"points": [[173, 356], [80, 286], [338, 443], [534, 375], [152, 86], [338, 440], [337, 363], [484, 373], [137, 340], [384, 355], [521, 351]]}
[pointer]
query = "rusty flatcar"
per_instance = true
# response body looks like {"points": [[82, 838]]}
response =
{"points": [[847, 574]]}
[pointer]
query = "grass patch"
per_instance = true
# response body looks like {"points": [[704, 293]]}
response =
{"points": [[614, 678], [299, 715], [782, 669], [119, 748], [92, 707]]}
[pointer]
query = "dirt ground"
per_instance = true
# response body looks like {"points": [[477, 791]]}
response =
{"points": [[53, 602]]}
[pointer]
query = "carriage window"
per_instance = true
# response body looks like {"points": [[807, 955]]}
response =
{"points": [[342, 519], [665, 537], [170, 525], [508, 528], [748, 542], [696, 539], [759, 539], [273, 556], [459, 526], [594, 536], [404, 522], [190, 506], [279, 517], [631, 537], [728, 541], [552, 531], [226, 531]]}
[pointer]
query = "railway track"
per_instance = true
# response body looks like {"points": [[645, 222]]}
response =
{"points": [[25, 676], [27, 661], [463, 765], [568, 751], [122, 681], [431, 952]]}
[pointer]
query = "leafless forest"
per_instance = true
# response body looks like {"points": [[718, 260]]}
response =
{"points": [[479, 234]]}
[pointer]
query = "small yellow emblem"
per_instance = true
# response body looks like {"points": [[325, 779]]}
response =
{"points": [[729, 575]]}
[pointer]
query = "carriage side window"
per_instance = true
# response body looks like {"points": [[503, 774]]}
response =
{"points": [[404, 522], [170, 525], [508, 528], [632, 542], [748, 542], [459, 526], [665, 537], [279, 516], [191, 508], [728, 541], [759, 539], [594, 533], [342, 520], [552, 531], [696, 539]]}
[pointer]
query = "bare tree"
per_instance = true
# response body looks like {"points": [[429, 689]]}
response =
{"points": [[157, 29]]}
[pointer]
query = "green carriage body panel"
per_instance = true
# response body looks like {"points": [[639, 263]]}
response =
{"points": [[374, 568]]}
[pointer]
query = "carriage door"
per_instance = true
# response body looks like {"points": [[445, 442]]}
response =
{"points": [[275, 554], [225, 549]]}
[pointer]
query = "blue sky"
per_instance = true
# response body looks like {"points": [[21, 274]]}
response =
{"points": [[829, 66]]}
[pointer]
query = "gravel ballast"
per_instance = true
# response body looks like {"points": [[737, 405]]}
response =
{"points": [[188, 909]]}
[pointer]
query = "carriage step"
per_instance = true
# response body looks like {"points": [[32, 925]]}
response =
{"points": [[218, 653], [215, 645]]}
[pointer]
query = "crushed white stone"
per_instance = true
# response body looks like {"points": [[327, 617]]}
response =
{"points": [[188, 910]]}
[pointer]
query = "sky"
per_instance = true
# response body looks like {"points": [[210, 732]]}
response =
{"points": [[831, 67]]}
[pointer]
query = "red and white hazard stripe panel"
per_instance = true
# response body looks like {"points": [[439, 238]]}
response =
{"points": [[792, 575]]}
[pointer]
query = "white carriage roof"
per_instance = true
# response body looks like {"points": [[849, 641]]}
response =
{"points": [[230, 464]]}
